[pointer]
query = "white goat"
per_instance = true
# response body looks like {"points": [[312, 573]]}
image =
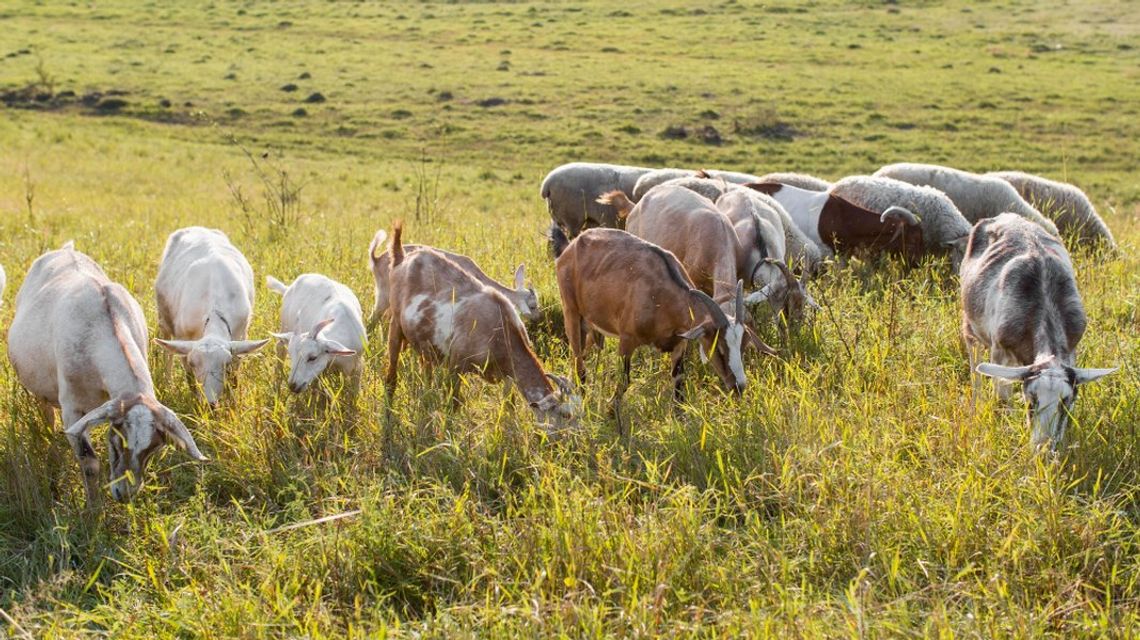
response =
{"points": [[205, 300], [322, 327], [78, 342], [977, 196], [1020, 298]]}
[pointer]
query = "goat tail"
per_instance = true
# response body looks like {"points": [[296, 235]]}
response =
{"points": [[703, 173], [395, 246], [558, 239], [377, 241], [275, 285], [618, 200]]}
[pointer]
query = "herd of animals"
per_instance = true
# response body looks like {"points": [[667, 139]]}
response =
{"points": [[649, 257]]}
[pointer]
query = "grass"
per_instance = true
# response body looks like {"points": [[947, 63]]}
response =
{"points": [[853, 491]]}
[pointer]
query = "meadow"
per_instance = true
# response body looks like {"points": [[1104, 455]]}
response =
{"points": [[856, 490]]}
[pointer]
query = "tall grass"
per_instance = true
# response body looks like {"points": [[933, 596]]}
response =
{"points": [[857, 489]]}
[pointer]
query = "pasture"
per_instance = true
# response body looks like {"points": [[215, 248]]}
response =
{"points": [[856, 489]]}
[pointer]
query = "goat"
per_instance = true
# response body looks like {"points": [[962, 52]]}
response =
{"points": [[78, 342], [625, 287], [205, 302], [321, 328], [524, 298], [1020, 298], [451, 317]]}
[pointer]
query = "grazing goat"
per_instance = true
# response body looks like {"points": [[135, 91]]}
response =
{"points": [[321, 327], [977, 196], [524, 298], [763, 258], [571, 192], [1020, 298], [834, 222], [452, 318], [78, 342], [1068, 206], [944, 229], [205, 302], [639, 293]]}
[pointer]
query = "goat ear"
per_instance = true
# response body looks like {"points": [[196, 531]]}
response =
{"points": [[520, 276], [246, 347], [809, 300], [1006, 373], [1089, 375], [177, 432], [704, 355], [334, 348], [283, 338], [180, 347], [105, 412], [694, 333], [761, 346], [740, 301], [756, 297]]}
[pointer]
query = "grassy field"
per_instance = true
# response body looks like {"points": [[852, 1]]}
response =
{"points": [[852, 492]]}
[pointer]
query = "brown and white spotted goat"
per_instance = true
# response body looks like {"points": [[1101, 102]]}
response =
{"points": [[453, 319], [639, 293], [1020, 298]]}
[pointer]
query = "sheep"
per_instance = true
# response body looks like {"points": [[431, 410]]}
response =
{"points": [[833, 221], [1020, 298], [661, 176], [1068, 206], [571, 192], [205, 302], [615, 282], [451, 317], [944, 229], [801, 180], [977, 197], [78, 343], [524, 298], [321, 327], [761, 233]]}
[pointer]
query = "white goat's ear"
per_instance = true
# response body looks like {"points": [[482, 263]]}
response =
{"points": [[704, 356], [246, 347], [520, 277], [334, 348], [957, 243], [1089, 375], [810, 301], [180, 347], [283, 338], [756, 297], [177, 432], [1006, 373], [103, 413]]}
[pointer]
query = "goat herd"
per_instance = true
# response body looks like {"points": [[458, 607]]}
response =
{"points": [[693, 243]]}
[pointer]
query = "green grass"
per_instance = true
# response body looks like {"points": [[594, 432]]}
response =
{"points": [[853, 491]]}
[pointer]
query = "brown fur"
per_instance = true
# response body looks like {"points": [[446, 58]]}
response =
{"points": [[629, 288], [486, 336]]}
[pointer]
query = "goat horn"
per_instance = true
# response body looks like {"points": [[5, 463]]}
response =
{"points": [[901, 214]]}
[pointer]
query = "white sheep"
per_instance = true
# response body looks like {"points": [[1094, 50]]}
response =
{"points": [[944, 229], [1067, 205], [78, 342], [661, 176], [322, 327], [205, 303], [977, 196], [801, 180]]}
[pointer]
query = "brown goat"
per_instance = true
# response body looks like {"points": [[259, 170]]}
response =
{"points": [[639, 293], [452, 318]]}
